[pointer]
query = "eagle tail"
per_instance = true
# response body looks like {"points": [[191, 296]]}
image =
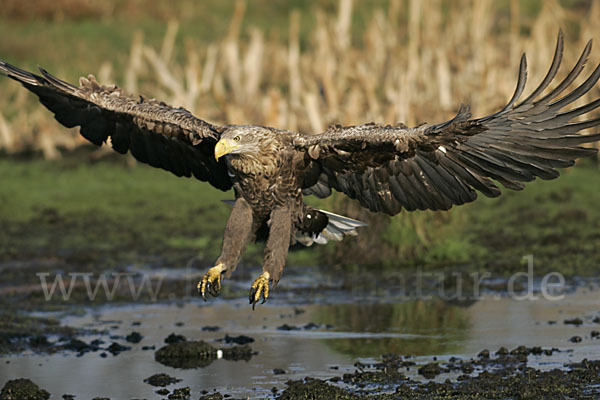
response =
{"points": [[337, 227]]}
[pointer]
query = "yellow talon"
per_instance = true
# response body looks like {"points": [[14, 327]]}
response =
{"points": [[258, 288], [211, 281]]}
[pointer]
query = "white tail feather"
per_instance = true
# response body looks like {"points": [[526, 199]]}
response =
{"points": [[338, 227]]}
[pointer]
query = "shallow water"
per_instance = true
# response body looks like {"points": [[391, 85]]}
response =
{"points": [[348, 332]]}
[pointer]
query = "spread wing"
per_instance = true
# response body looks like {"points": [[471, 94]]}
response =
{"points": [[155, 133], [388, 168]]}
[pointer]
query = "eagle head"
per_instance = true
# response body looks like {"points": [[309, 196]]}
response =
{"points": [[243, 140]]}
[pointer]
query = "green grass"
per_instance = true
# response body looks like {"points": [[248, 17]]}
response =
{"points": [[107, 213], [557, 221], [88, 212]]}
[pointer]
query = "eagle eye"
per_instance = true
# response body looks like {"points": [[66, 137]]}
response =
{"points": [[236, 139]]}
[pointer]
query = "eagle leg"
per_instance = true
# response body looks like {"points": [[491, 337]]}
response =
{"points": [[258, 288], [211, 282], [238, 232], [276, 250]]}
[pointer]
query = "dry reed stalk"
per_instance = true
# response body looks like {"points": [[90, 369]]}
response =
{"points": [[415, 62], [295, 82], [7, 136], [168, 44], [252, 65], [135, 62]]}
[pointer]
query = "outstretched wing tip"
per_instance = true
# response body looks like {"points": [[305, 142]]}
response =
{"points": [[155, 133]]}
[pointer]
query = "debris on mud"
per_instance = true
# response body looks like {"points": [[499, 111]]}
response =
{"points": [[313, 389], [502, 380], [23, 389], [19, 332]]}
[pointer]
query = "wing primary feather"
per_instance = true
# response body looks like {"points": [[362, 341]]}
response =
{"points": [[522, 80], [578, 92], [577, 68], [558, 52]]}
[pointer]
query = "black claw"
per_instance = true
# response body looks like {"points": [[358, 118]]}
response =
{"points": [[251, 297]]}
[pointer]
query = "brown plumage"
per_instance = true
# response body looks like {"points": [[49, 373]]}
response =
{"points": [[386, 168]]}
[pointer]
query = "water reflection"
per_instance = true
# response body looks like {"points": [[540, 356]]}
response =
{"points": [[425, 327], [358, 330]]}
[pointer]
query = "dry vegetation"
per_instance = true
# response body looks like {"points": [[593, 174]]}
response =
{"points": [[414, 62]]}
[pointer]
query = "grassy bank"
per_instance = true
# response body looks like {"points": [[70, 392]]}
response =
{"points": [[111, 214]]}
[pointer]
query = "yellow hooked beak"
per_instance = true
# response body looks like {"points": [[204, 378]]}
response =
{"points": [[224, 146]]}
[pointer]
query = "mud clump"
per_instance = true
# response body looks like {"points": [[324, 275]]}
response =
{"points": [[161, 380], [198, 354], [22, 389], [173, 338], [187, 354], [431, 370], [116, 348], [134, 337], [238, 353], [180, 394], [574, 321], [212, 396]]}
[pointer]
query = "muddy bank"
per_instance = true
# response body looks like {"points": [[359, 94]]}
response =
{"points": [[500, 377]]}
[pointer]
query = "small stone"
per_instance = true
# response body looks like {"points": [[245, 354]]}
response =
{"points": [[573, 321], [180, 394], [519, 351], [242, 339], [134, 337], [286, 327], [173, 338], [116, 348], [161, 380], [210, 328], [430, 370], [311, 325], [575, 339], [485, 353], [502, 351]]}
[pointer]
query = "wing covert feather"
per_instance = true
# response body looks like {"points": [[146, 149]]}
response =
{"points": [[388, 168], [154, 132]]}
